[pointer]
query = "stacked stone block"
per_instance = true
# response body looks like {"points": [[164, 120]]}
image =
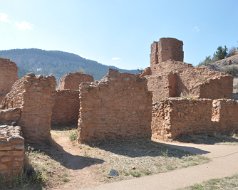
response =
{"points": [[11, 152]]}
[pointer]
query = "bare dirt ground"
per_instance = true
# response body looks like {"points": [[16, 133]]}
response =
{"points": [[223, 163], [68, 165]]}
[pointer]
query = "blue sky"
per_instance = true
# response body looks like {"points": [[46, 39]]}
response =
{"points": [[118, 32]]}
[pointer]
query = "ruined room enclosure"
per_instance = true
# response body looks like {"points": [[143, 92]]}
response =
{"points": [[115, 117]]}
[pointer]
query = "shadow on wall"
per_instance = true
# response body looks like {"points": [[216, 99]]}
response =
{"points": [[142, 148], [74, 162]]}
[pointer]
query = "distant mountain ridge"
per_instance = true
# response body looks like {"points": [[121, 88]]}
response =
{"points": [[57, 63]]}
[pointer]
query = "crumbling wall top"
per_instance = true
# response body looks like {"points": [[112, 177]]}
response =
{"points": [[72, 81]]}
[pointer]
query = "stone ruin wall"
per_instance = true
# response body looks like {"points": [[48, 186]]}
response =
{"points": [[166, 58], [165, 49], [66, 108], [11, 152], [34, 95], [225, 115], [116, 108], [189, 81], [8, 75], [72, 81], [162, 86], [9, 116], [174, 117]]}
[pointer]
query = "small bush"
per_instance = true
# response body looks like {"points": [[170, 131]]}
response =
{"points": [[232, 70], [73, 135], [29, 179]]}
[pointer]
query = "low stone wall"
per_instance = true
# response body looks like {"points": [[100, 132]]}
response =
{"points": [[225, 114], [116, 108], [11, 152], [217, 87], [66, 108], [176, 116], [9, 116], [34, 95]]}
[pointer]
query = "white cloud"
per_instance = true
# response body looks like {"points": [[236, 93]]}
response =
{"points": [[23, 25], [196, 29], [4, 17], [116, 58]]}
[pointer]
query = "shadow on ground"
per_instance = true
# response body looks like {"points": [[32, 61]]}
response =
{"points": [[63, 127], [208, 139], [74, 162], [142, 148]]}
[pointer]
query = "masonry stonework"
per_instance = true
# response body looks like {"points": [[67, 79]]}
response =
{"points": [[34, 95], [116, 108], [11, 152], [187, 80], [72, 81], [9, 116], [225, 115], [166, 49], [175, 116], [66, 108], [8, 75]]}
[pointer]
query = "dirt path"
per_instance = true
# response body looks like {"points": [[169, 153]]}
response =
{"points": [[224, 163]]}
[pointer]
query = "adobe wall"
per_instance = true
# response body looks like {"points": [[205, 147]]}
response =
{"points": [[177, 116], [11, 152], [162, 86], [166, 49], [34, 95], [72, 81], [66, 108], [189, 81], [8, 75], [116, 108], [225, 114], [9, 116]]}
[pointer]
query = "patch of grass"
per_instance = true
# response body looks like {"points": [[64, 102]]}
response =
{"points": [[52, 173], [73, 136], [29, 179], [226, 183]]}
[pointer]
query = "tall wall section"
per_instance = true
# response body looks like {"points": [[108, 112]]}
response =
{"points": [[166, 49], [117, 107], [34, 95], [8, 75]]}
